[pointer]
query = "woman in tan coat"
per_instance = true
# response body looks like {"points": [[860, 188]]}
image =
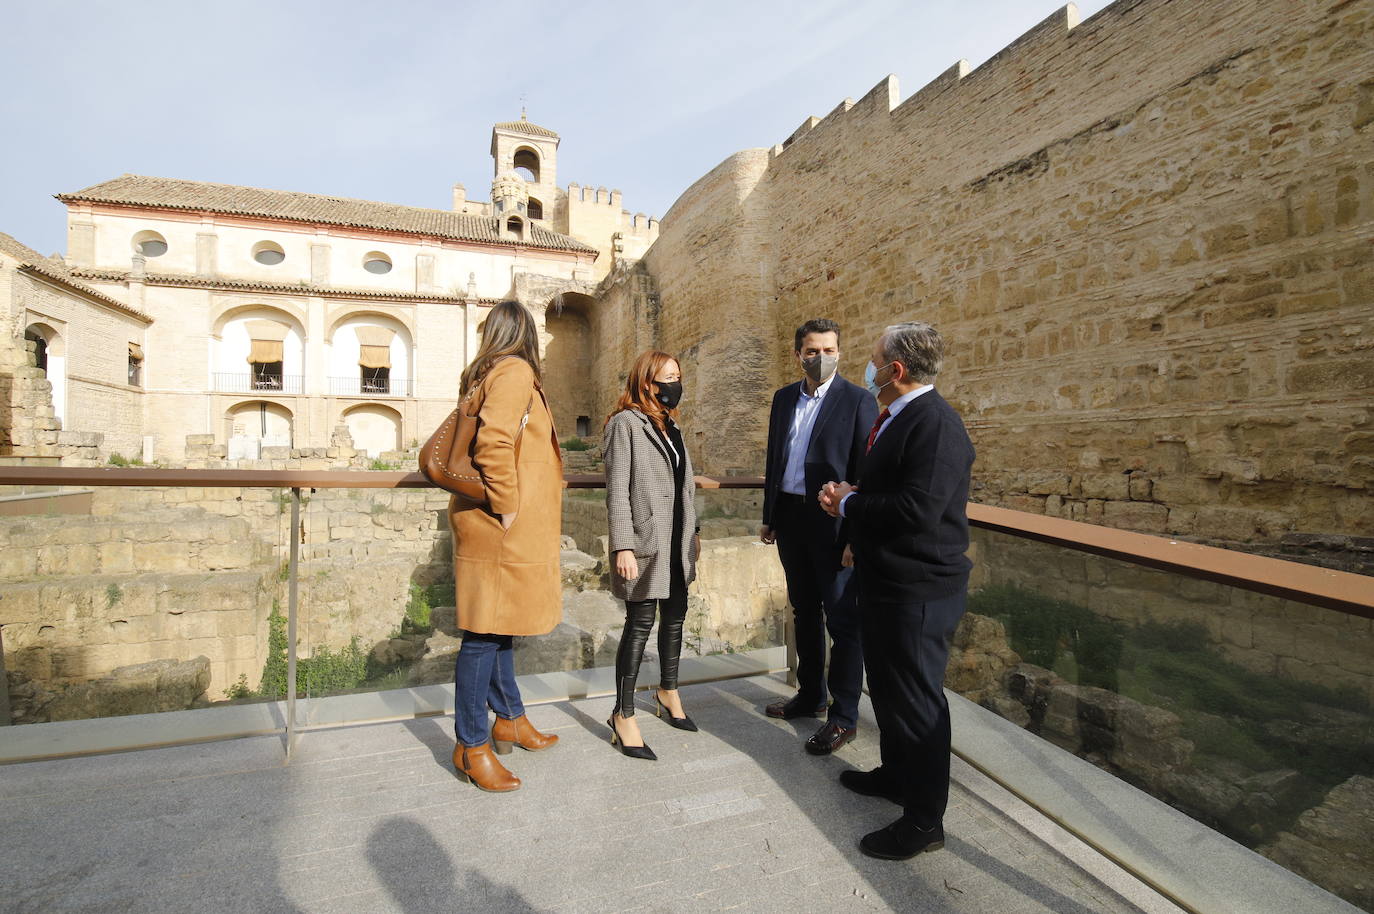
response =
{"points": [[506, 549]]}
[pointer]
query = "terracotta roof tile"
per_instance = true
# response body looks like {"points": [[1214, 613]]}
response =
{"points": [[55, 269], [527, 128], [234, 199], [168, 279]]}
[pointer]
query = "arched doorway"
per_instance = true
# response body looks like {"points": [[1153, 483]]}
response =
{"points": [[51, 352], [254, 425], [568, 364], [374, 428]]}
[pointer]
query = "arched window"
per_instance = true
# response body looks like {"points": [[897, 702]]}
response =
{"points": [[526, 162], [40, 346], [536, 209], [516, 227], [377, 262]]}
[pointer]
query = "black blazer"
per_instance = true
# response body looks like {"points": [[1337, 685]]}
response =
{"points": [[908, 523], [835, 452]]}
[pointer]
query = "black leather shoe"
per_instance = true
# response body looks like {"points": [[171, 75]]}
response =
{"points": [[681, 723], [793, 708], [830, 737], [871, 784], [902, 840]]}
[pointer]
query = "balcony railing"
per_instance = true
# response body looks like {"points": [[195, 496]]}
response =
{"points": [[1108, 666], [365, 387], [243, 383]]}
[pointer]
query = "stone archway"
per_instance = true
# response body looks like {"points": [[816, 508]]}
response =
{"points": [[374, 428], [569, 378], [50, 351]]}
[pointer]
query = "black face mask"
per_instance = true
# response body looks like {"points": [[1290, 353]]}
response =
{"points": [[669, 393]]}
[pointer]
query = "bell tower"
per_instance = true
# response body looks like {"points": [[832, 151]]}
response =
{"points": [[530, 151]]}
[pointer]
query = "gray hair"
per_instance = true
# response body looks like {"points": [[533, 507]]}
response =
{"points": [[918, 346]]}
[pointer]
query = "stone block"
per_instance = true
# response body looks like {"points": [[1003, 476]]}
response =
{"points": [[159, 685], [1133, 515], [164, 557]]}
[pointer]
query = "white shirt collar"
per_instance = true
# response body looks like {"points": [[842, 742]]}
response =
{"points": [[820, 391], [901, 402]]}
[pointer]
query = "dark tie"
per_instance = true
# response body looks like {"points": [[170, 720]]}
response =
{"points": [[873, 435]]}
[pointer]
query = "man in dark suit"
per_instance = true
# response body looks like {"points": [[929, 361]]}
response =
{"points": [[817, 432], [907, 524]]}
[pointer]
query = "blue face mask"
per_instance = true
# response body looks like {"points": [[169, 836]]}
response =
{"points": [[871, 379]]}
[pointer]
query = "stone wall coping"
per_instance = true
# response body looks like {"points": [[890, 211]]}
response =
{"points": [[1341, 591]]}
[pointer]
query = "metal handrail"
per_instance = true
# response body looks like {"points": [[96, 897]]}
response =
{"points": [[1341, 591]]}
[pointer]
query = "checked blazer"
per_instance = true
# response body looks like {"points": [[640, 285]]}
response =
{"points": [[640, 486]]}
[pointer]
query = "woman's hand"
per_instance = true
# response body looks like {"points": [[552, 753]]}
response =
{"points": [[508, 519], [847, 559], [626, 565], [696, 546]]}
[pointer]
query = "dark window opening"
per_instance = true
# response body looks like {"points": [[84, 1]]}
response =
{"points": [[267, 376], [584, 426], [376, 380], [135, 372], [515, 226], [40, 347], [536, 209]]}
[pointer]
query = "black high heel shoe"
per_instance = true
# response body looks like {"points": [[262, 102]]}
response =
{"points": [[643, 751], [680, 723]]}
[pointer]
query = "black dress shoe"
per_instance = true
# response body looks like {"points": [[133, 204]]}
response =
{"points": [[902, 840], [871, 784], [681, 723], [793, 708], [830, 737]]}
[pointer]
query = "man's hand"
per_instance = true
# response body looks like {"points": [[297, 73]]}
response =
{"points": [[626, 565], [847, 560], [767, 536], [832, 494]]}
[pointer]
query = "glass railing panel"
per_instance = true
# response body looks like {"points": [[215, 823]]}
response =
{"points": [[1250, 713], [135, 600]]}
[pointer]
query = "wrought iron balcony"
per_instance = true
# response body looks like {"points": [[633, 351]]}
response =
{"points": [[371, 387], [243, 383]]}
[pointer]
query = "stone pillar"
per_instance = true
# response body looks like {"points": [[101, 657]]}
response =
{"points": [[207, 251], [460, 197], [316, 369], [81, 244], [319, 264], [138, 272]]}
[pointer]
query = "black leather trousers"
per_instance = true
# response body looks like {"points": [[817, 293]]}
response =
{"points": [[639, 620]]}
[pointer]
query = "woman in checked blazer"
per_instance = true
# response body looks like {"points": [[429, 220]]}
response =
{"points": [[653, 541]]}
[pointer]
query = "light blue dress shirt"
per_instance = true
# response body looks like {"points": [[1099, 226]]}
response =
{"points": [[799, 436]]}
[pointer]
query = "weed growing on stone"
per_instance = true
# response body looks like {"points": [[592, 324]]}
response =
{"points": [[382, 465], [113, 595], [574, 443], [118, 460]]}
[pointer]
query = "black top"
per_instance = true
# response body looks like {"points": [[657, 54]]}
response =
{"points": [[675, 451], [908, 523]]}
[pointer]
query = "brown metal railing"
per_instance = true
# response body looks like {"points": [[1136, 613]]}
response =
{"points": [[1337, 590]]}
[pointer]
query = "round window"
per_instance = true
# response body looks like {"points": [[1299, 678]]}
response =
{"points": [[268, 253], [377, 262], [150, 244]]}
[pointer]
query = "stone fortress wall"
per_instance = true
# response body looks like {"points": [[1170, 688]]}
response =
{"points": [[1147, 238]]}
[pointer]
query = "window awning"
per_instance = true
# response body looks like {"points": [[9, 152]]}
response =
{"points": [[268, 338], [374, 346], [136, 352]]}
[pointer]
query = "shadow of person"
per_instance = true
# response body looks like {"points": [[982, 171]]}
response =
{"points": [[435, 734], [416, 871]]}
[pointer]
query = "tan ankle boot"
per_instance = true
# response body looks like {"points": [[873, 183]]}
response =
{"points": [[477, 766], [519, 732]]}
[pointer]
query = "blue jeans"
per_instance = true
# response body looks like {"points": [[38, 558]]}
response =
{"points": [[484, 674]]}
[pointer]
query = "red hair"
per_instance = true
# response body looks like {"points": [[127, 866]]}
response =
{"points": [[639, 388]]}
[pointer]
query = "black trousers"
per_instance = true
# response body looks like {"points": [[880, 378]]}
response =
{"points": [[639, 621], [822, 594], [906, 646]]}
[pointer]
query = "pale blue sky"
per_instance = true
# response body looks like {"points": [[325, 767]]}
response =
{"points": [[395, 101]]}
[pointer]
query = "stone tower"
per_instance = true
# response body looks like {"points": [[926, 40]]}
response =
{"points": [[510, 204], [531, 152]]}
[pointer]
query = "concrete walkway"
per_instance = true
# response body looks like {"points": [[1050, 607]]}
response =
{"points": [[371, 819]]}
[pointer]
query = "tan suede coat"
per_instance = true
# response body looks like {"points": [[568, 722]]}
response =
{"points": [[507, 581]]}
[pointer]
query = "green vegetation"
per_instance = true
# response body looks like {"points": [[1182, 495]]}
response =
{"points": [[324, 671], [382, 465], [112, 596], [574, 443], [417, 619], [118, 460]]}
